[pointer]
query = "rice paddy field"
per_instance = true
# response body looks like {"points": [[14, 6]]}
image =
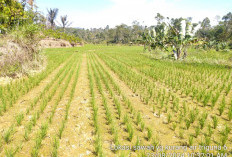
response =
{"points": [[116, 101]]}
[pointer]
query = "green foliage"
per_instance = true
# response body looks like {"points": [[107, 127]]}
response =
{"points": [[58, 34], [169, 117], [7, 134], [149, 133], [55, 147], [142, 126], [19, 118], [197, 131], [215, 122], [190, 140], [27, 36], [188, 123], [174, 126], [11, 13]]}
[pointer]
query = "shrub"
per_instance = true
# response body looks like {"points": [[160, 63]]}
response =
{"points": [[57, 34]]}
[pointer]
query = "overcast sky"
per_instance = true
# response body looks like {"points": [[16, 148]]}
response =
{"points": [[99, 13]]}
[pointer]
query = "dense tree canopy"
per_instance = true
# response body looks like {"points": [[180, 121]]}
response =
{"points": [[11, 13], [122, 34], [220, 32]]}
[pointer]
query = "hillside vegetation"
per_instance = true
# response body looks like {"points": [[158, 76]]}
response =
{"points": [[21, 30]]}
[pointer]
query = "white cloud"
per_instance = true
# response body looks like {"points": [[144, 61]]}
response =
{"points": [[126, 11]]}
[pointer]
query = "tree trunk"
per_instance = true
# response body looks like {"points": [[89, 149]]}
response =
{"points": [[185, 54], [144, 49], [174, 54], [178, 53]]}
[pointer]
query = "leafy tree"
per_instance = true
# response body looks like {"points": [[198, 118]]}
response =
{"points": [[205, 32], [11, 14], [205, 24], [159, 18]]}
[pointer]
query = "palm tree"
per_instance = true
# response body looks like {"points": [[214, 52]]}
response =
{"points": [[52, 14], [64, 22]]}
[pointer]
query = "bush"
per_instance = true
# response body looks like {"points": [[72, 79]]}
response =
{"points": [[20, 50], [28, 36], [57, 34], [11, 13], [230, 45]]}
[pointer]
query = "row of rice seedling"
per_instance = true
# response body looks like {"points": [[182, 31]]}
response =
{"points": [[98, 138], [203, 97], [138, 117], [43, 103], [188, 122], [206, 72], [114, 129], [110, 117], [191, 85], [127, 121], [64, 121], [10, 93], [43, 130], [36, 115], [207, 97]]}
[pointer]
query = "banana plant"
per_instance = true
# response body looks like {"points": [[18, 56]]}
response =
{"points": [[161, 37], [155, 38], [166, 35], [181, 39], [147, 39]]}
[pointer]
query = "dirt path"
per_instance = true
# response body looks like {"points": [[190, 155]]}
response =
{"points": [[78, 135]]}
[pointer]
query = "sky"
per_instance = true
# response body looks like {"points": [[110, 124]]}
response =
{"points": [[100, 13]]}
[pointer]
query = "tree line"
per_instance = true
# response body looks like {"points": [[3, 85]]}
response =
{"points": [[14, 13], [121, 34], [218, 36]]}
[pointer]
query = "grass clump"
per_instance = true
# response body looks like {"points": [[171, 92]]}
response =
{"points": [[149, 134], [19, 118], [7, 134]]}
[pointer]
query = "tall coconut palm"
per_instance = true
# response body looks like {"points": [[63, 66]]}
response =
{"points": [[52, 14], [64, 22]]}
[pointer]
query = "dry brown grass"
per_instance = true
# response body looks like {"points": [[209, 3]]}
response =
{"points": [[18, 58]]}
